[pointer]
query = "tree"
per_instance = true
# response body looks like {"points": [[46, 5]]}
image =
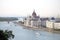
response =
{"points": [[6, 35]]}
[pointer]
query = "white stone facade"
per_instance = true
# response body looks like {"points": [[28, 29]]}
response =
{"points": [[33, 21], [49, 24], [54, 25], [57, 25]]}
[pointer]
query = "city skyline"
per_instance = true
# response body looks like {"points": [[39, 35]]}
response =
{"points": [[16, 8]]}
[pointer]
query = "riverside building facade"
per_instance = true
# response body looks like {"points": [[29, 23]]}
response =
{"points": [[33, 20]]}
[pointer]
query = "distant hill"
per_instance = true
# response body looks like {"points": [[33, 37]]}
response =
{"points": [[8, 18]]}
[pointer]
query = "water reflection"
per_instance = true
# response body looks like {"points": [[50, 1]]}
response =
{"points": [[37, 35]]}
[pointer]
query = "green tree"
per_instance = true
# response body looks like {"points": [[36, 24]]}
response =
{"points": [[6, 35]]}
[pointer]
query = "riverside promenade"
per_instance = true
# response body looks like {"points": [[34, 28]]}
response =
{"points": [[39, 28]]}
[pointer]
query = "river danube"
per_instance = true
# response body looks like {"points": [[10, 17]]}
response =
{"points": [[27, 34]]}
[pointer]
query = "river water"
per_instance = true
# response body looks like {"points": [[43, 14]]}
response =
{"points": [[26, 34]]}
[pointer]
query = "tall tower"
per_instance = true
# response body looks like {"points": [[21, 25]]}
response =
{"points": [[34, 14]]}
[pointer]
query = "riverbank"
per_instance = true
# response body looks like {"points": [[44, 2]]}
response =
{"points": [[39, 28], [8, 18]]}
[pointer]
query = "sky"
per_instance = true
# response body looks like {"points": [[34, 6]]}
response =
{"points": [[17, 8]]}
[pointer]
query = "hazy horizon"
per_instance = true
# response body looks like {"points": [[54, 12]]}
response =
{"points": [[17, 8]]}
